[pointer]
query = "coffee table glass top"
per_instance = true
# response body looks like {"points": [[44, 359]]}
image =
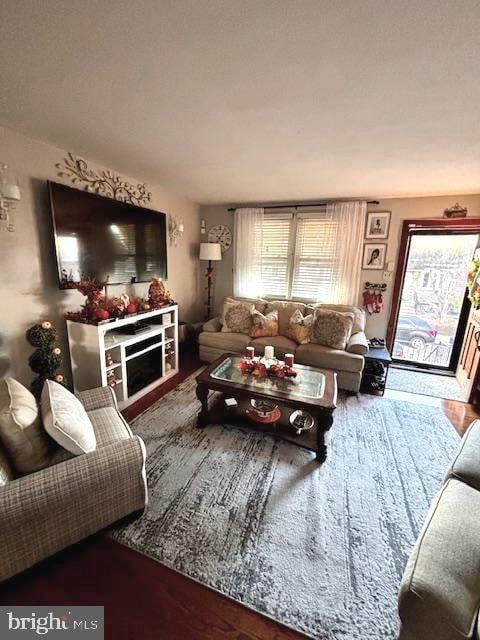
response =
{"points": [[308, 383]]}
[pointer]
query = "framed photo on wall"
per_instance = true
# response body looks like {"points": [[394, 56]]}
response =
{"points": [[378, 225], [374, 256]]}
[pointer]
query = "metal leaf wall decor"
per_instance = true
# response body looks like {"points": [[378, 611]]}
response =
{"points": [[102, 182]]}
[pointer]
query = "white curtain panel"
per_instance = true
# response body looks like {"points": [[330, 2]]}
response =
{"points": [[247, 257], [350, 216]]}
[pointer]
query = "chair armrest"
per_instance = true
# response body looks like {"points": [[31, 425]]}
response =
{"points": [[51, 509], [98, 398], [213, 326], [358, 344]]}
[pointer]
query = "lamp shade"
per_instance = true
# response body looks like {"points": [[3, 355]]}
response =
{"points": [[210, 251]]}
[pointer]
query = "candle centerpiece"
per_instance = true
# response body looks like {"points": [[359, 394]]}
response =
{"points": [[266, 366]]}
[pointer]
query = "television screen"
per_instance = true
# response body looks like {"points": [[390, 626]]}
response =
{"points": [[106, 239]]}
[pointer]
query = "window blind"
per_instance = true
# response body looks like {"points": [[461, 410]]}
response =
{"points": [[314, 265], [274, 251]]}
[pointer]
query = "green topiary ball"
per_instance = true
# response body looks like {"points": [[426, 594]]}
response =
{"points": [[42, 335]]}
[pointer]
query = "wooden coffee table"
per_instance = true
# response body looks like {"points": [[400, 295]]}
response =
{"points": [[313, 391]]}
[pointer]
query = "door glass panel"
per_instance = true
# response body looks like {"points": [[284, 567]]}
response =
{"points": [[432, 297]]}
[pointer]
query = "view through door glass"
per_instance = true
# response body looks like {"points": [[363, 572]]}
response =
{"points": [[432, 297]]}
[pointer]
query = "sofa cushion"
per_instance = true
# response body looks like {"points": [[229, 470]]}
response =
{"points": [[21, 433], [233, 342], [299, 327], [6, 472], [285, 310], [65, 419], [466, 465], [109, 426], [281, 344], [332, 328], [439, 591], [359, 314], [237, 317], [264, 326], [259, 303], [316, 355]]}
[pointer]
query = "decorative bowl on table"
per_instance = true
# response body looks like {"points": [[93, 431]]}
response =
{"points": [[262, 410], [301, 421]]}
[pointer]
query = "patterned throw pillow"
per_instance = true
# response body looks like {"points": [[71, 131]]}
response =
{"points": [[332, 328], [237, 317], [264, 326], [299, 327]]}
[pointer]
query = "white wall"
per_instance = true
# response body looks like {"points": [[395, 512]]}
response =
{"points": [[401, 208], [28, 278]]}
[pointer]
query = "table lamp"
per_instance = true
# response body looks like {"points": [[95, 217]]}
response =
{"points": [[210, 251]]}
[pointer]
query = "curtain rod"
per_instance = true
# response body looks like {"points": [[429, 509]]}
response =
{"points": [[307, 204]]}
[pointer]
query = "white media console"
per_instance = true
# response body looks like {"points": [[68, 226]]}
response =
{"points": [[141, 361]]}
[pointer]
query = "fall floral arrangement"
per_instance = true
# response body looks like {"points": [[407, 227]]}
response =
{"points": [[47, 358], [256, 367], [97, 308]]}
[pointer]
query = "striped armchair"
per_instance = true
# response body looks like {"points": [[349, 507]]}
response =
{"points": [[46, 511]]}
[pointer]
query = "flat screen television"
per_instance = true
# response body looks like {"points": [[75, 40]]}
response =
{"points": [[106, 239]]}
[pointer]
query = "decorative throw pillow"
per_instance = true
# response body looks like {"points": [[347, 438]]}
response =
{"points": [[299, 327], [332, 328], [237, 317], [21, 432], [264, 326], [65, 419], [259, 303]]}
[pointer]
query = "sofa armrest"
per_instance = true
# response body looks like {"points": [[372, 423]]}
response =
{"points": [[213, 326], [51, 509], [358, 344], [98, 398]]}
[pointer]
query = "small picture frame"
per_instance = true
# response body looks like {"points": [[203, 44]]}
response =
{"points": [[378, 225], [374, 256]]}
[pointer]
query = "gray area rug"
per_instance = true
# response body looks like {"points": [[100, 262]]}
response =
{"points": [[428, 384], [319, 548]]}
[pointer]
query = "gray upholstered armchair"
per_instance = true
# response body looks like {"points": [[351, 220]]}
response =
{"points": [[46, 511]]}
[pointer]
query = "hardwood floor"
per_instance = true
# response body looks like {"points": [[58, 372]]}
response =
{"points": [[460, 414], [142, 598]]}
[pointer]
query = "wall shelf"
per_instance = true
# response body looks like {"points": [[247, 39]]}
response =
{"points": [[157, 362]]}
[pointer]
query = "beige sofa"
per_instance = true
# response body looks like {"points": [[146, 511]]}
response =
{"points": [[347, 363], [48, 510], [440, 591]]}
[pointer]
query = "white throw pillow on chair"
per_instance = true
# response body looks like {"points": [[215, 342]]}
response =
{"points": [[65, 419]]}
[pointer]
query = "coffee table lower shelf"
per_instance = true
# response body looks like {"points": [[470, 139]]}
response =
{"points": [[214, 411]]}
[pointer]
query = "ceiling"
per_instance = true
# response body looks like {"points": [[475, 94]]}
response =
{"points": [[253, 100]]}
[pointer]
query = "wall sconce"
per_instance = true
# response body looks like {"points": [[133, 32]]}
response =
{"points": [[9, 195], [175, 230]]}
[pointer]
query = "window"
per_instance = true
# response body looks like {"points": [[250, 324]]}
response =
{"points": [[274, 252], [299, 255]]}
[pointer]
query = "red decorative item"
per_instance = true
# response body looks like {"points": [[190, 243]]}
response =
{"points": [[289, 359], [101, 314], [257, 368], [93, 290], [249, 352], [132, 308]]}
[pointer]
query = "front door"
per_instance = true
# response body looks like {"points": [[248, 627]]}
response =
{"points": [[433, 309], [469, 361]]}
